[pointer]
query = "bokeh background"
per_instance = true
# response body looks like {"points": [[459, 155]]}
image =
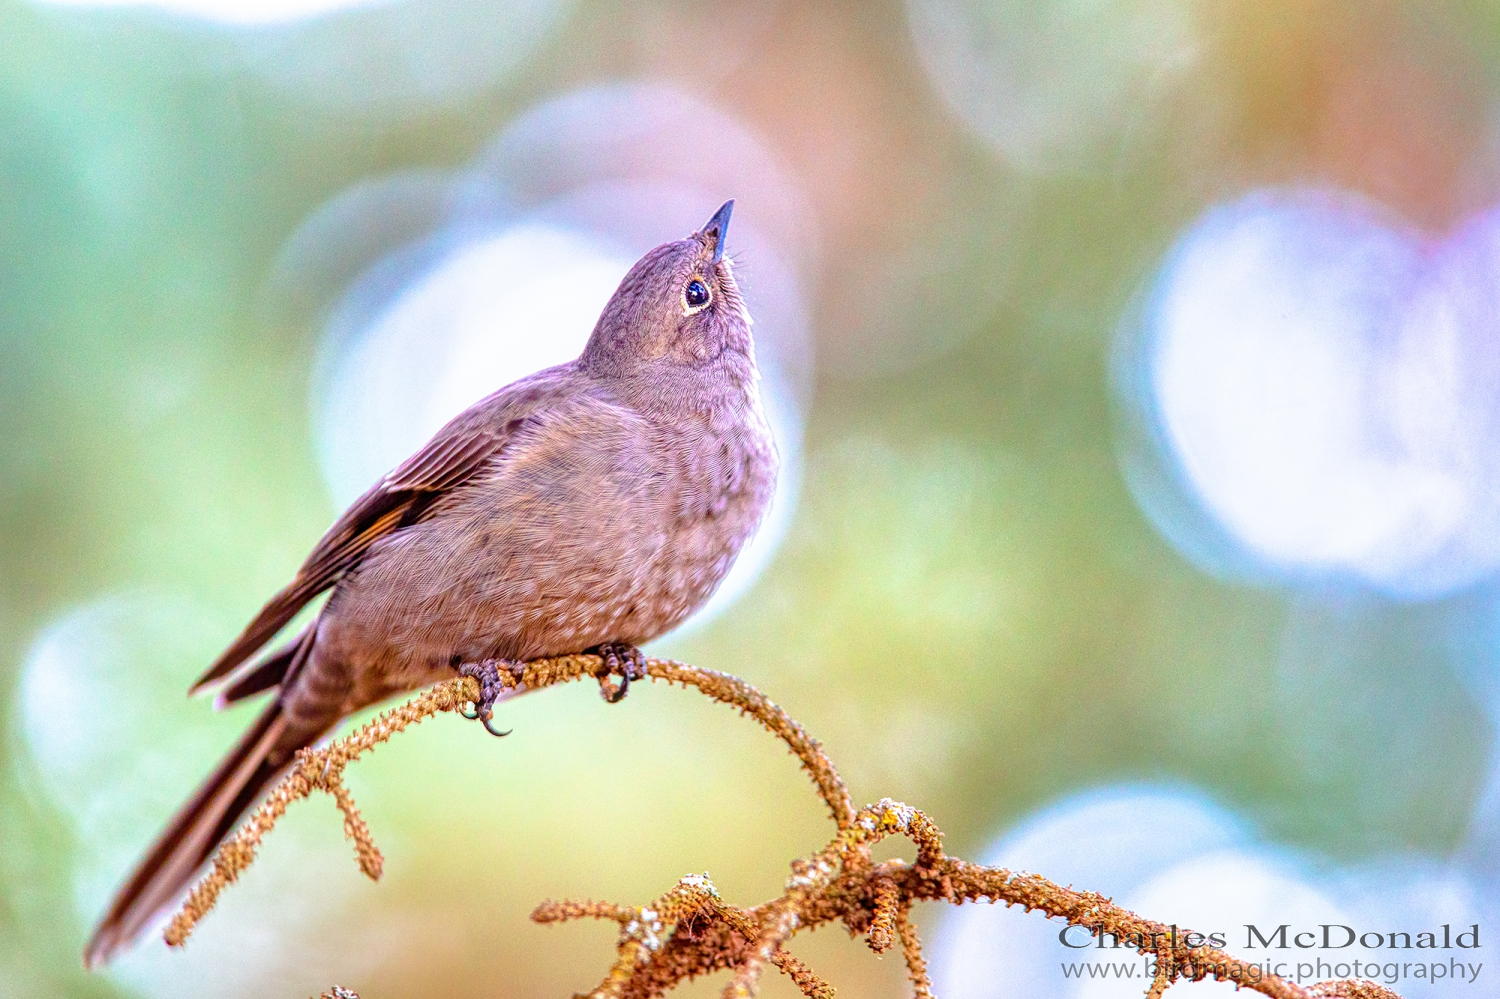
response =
{"points": [[1135, 364]]}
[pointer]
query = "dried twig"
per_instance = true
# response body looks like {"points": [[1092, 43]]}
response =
{"points": [[839, 884]]}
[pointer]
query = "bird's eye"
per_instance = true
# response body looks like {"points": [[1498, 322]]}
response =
{"points": [[695, 295]]}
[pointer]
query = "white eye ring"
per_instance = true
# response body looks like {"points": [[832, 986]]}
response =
{"points": [[696, 296]]}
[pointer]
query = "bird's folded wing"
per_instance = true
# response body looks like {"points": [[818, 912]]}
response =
{"points": [[462, 449]]}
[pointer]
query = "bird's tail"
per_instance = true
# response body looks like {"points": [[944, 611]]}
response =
{"points": [[193, 834]]}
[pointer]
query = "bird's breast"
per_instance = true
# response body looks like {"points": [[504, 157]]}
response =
{"points": [[615, 535], [723, 478]]}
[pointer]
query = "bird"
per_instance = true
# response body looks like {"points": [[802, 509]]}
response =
{"points": [[589, 507]]}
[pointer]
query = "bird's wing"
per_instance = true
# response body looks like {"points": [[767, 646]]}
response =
{"points": [[466, 446]]}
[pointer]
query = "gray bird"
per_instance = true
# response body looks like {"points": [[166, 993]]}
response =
{"points": [[588, 507]]}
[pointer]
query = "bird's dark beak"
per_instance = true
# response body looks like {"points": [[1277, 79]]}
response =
{"points": [[717, 228]]}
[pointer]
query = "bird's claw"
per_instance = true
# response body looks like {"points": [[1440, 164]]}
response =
{"points": [[618, 659], [487, 674]]}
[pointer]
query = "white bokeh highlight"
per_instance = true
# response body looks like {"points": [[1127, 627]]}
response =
{"points": [[1172, 855], [1268, 333], [1107, 840], [1223, 892], [1323, 386], [240, 12], [631, 133]]}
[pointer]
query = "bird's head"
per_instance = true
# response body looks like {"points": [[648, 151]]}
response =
{"points": [[678, 307]]}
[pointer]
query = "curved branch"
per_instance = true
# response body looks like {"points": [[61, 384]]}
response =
{"points": [[838, 884]]}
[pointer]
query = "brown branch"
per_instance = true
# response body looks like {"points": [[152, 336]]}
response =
{"points": [[801, 975], [691, 931], [883, 917], [911, 948]]}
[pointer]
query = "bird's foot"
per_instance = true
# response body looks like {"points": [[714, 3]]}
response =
{"points": [[487, 673], [618, 659]]}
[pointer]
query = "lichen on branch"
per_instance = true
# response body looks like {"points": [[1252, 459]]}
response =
{"points": [[690, 930]]}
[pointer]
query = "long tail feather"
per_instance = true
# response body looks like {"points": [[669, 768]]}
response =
{"points": [[271, 619], [269, 672]]}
